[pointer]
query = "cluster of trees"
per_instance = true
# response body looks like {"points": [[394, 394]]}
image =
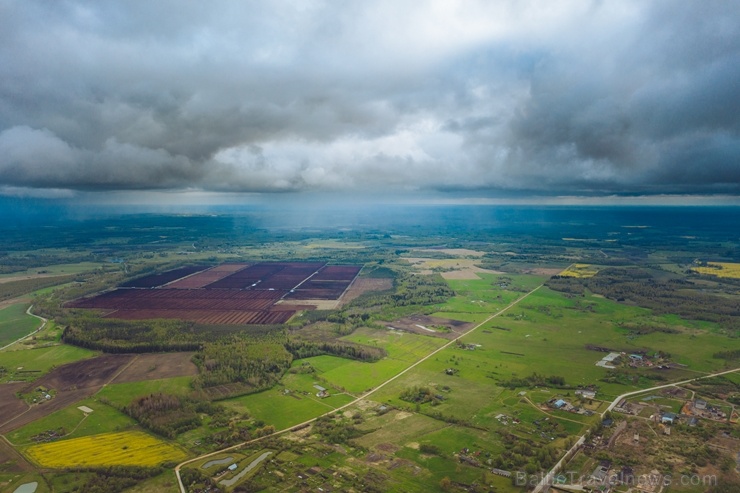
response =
{"points": [[427, 448], [306, 349], [123, 336], [729, 355], [230, 360], [196, 480], [410, 290], [536, 380], [13, 289], [114, 479], [523, 454], [421, 395], [31, 258], [164, 414], [420, 290], [237, 432], [638, 287], [335, 429]]}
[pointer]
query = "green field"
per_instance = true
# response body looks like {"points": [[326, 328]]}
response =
{"points": [[547, 334], [282, 411], [58, 270], [399, 429], [16, 323], [485, 296], [356, 377], [121, 394], [36, 362], [103, 419]]}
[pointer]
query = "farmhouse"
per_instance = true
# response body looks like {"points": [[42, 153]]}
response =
{"points": [[700, 404], [599, 474], [559, 404], [322, 392], [668, 418], [586, 393]]}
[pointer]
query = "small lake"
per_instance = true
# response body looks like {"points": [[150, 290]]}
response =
{"points": [[217, 462], [27, 488]]}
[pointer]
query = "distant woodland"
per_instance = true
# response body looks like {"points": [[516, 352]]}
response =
{"points": [[637, 287]]}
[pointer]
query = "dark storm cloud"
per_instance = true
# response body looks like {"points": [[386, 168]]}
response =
{"points": [[576, 97]]}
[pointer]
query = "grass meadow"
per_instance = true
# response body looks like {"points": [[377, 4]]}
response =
{"points": [[121, 394], [39, 360], [546, 334], [282, 411], [103, 419], [16, 323]]}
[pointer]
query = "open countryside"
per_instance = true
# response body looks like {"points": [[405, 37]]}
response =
{"points": [[428, 380]]}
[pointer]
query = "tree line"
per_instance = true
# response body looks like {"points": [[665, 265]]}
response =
{"points": [[675, 296]]}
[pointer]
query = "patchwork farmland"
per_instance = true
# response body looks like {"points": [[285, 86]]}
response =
{"points": [[229, 294]]}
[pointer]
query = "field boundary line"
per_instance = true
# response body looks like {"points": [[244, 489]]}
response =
{"points": [[118, 373], [358, 399]]}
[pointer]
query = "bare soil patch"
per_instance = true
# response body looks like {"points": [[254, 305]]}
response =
{"points": [[10, 405], [60, 401], [84, 374], [72, 383], [364, 285], [14, 301], [307, 305], [11, 461], [156, 366], [422, 324], [450, 268]]}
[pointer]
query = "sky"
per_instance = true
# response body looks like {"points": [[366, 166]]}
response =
{"points": [[488, 100]]}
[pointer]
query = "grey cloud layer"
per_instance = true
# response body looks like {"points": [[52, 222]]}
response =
{"points": [[273, 96]]}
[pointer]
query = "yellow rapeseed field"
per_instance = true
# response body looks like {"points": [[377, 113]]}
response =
{"points": [[128, 448], [720, 269], [580, 270]]}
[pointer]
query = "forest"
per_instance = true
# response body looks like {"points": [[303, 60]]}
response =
{"points": [[637, 286]]}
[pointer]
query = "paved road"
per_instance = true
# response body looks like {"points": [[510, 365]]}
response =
{"points": [[364, 396]]}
